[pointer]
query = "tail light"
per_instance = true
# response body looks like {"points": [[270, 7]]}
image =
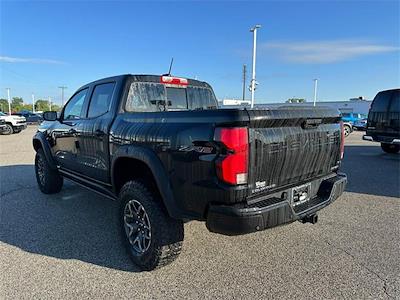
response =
{"points": [[232, 166], [341, 140]]}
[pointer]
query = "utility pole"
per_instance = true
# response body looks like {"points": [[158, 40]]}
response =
{"points": [[49, 103], [253, 77], [62, 94], [244, 82], [9, 101], [33, 103], [315, 90]]}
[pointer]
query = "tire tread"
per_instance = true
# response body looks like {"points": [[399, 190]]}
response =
{"points": [[169, 234]]}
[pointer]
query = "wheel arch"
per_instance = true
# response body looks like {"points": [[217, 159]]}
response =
{"points": [[148, 168], [39, 141]]}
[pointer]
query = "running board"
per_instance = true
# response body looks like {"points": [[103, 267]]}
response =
{"points": [[95, 187]]}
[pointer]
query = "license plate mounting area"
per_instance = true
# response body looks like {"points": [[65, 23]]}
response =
{"points": [[301, 194]]}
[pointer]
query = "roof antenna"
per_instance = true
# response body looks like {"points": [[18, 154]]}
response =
{"points": [[170, 67]]}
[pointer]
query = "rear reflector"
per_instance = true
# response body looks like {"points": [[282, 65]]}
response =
{"points": [[174, 80], [341, 140], [232, 166]]}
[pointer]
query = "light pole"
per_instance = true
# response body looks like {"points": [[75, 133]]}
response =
{"points": [[62, 94], [315, 90], [9, 101], [244, 82], [49, 103], [253, 76], [33, 103]]}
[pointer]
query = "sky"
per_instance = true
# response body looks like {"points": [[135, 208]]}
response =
{"points": [[352, 47]]}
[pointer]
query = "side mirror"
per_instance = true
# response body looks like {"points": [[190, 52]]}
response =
{"points": [[50, 116]]}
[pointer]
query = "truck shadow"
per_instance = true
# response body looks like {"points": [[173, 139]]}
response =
{"points": [[79, 224], [371, 171], [74, 224]]}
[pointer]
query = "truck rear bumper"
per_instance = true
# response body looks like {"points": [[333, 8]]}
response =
{"points": [[381, 139], [241, 219]]}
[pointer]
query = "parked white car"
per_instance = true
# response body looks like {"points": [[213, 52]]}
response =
{"points": [[13, 124]]}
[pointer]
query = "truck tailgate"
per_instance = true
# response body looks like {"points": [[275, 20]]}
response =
{"points": [[291, 146]]}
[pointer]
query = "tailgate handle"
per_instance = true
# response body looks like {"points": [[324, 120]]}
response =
{"points": [[311, 123]]}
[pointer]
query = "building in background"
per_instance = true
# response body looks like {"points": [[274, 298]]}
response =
{"points": [[235, 102], [355, 105]]}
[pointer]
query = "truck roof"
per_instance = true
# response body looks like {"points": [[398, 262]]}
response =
{"points": [[145, 78]]}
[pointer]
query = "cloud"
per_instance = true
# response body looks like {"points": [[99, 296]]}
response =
{"points": [[324, 52], [9, 59]]}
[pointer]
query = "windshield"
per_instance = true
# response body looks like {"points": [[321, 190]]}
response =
{"points": [[2, 114]]}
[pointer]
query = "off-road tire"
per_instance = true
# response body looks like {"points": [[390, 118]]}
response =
{"points": [[390, 148], [49, 180], [166, 233], [9, 129]]}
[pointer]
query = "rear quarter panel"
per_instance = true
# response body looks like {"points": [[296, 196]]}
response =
{"points": [[183, 142]]}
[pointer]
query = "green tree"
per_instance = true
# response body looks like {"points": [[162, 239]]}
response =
{"points": [[17, 104], [42, 105], [55, 107], [4, 105]]}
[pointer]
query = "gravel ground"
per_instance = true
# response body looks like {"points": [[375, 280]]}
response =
{"points": [[67, 245]]}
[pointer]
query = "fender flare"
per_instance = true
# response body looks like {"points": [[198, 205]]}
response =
{"points": [[150, 158], [40, 138]]}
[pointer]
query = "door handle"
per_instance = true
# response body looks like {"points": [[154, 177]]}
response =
{"points": [[99, 133]]}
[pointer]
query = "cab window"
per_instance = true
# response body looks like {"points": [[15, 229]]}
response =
{"points": [[73, 109], [101, 99], [395, 103], [381, 101]]}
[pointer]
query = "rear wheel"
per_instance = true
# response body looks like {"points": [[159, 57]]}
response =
{"points": [[8, 129], [390, 148], [49, 180], [152, 238]]}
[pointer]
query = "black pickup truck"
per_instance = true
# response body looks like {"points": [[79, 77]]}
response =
{"points": [[383, 123], [161, 147]]}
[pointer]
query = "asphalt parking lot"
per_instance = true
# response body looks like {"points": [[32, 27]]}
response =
{"points": [[67, 245]]}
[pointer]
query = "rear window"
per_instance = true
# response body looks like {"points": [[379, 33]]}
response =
{"points": [[395, 103], [176, 98], [381, 101], [152, 97]]}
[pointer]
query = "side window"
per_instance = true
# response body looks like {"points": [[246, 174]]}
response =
{"points": [[346, 115], [146, 97], [395, 103], [73, 108], [101, 99], [381, 101]]}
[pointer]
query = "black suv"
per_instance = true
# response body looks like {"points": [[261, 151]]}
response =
{"points": [[161, 147], [383, 124]]}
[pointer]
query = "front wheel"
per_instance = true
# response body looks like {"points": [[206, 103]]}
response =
{"points": [[153, 239], [8, 129], [347, 130], [390, 148], [49, 180]]}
